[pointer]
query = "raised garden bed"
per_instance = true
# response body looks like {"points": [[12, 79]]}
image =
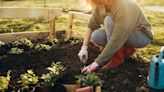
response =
{"points": [[132, 75]]}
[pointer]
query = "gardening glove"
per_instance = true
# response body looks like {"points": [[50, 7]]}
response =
{"points": [[83, 54], [90, 68]]}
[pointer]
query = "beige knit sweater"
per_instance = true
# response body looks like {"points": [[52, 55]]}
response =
{"points": [[127, 16]]}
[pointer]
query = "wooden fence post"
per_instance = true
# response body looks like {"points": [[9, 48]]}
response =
{"points": [[70, 24], [52, 24]]}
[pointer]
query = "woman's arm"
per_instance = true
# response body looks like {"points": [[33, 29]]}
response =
{"points": [[87, 37]]}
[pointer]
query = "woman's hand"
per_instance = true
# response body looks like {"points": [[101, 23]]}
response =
{"points": [[90, 68], [83, 54]]}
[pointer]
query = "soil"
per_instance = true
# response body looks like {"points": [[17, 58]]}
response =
{"points": [[132, 75]]}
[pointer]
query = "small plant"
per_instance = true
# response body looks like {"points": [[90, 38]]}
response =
{"points": [[53, 40], [4, 82], [28, 78], [91, 79], [16, 51], [2, 43], [23, 42], [43, 47], [55, 72]]}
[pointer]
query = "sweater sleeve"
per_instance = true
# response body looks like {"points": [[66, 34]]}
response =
{"points": [[94, 22], [123, 27]]}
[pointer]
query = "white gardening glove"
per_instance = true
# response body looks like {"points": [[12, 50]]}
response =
{"points": [[90, 68], [83, 54]]}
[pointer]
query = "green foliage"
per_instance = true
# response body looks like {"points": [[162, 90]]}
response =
{"points": [[55, 72], [28, 78], [4, 82], [2, 43], [24, 42], [91, 79], [53, 40], [43, 47], [16, 51]]}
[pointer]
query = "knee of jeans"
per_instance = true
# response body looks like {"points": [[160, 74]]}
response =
{"points": [[108, 21], [99, 37]]}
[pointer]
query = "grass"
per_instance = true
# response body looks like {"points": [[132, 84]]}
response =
{"points": [[152, 2]]}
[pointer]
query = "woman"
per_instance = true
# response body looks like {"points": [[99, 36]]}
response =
{"points": [[124, 27]]}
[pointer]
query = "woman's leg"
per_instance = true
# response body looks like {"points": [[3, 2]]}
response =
{"points": [[138, 39], [99, 38]]}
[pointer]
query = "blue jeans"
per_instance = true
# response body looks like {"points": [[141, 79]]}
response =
{"points": [[137, 38]]}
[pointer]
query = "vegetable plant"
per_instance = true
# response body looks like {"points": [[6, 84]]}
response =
{"points": [[28, 78], [23, 42], [4, 82], [53, 40], [91, 79], [55, 72], [2, 43], [16, 51], [43, 47]]}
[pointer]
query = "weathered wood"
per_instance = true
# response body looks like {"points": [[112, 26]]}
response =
{"points": [[80, 15], [28, 12], [10, 37], [70, 24], [52, 24]]}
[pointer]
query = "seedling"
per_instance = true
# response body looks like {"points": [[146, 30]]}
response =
{"points": [[23, 42], [4, 82], [55, 72], [2, 43], [16, 51], [28, 78], [53, 40], [43, 47], [91, 79]]}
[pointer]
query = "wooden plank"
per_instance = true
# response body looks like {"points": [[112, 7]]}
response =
{"points": [[52, 24], [70, 24], [10, 37], [28, 12], [80, 15]]}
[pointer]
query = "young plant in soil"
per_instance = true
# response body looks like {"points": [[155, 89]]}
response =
{"points": [[4, 82], [2, 43], [16, 51], [91, 80], [40, 47], [55, 72], [48, 81], [23, 42], [53, 40], [28, 80]]}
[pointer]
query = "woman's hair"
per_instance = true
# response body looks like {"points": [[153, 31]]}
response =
{"points": [[93, 3]]}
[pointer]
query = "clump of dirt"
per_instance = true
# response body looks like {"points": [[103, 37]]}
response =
{"points": [[132, 75]]}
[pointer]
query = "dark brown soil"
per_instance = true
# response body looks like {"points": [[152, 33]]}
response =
{"points": [[132, 75]]}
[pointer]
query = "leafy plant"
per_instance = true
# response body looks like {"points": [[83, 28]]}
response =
{"points": [[28, 78], [16, 51], [43, 47], [4, 82], [91, 79], [2, 43], [53, 40], [23, 41], [55, 72]]}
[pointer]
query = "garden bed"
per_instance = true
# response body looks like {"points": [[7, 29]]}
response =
{"points": [[132, 75]]}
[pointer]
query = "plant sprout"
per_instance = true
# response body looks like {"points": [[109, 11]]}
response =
{"points": [[43, 47], [2, 43], [23, 41], [4, 82], [28, 78], [55, 72], [53, 40], [91, 79], [16, 51]]}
